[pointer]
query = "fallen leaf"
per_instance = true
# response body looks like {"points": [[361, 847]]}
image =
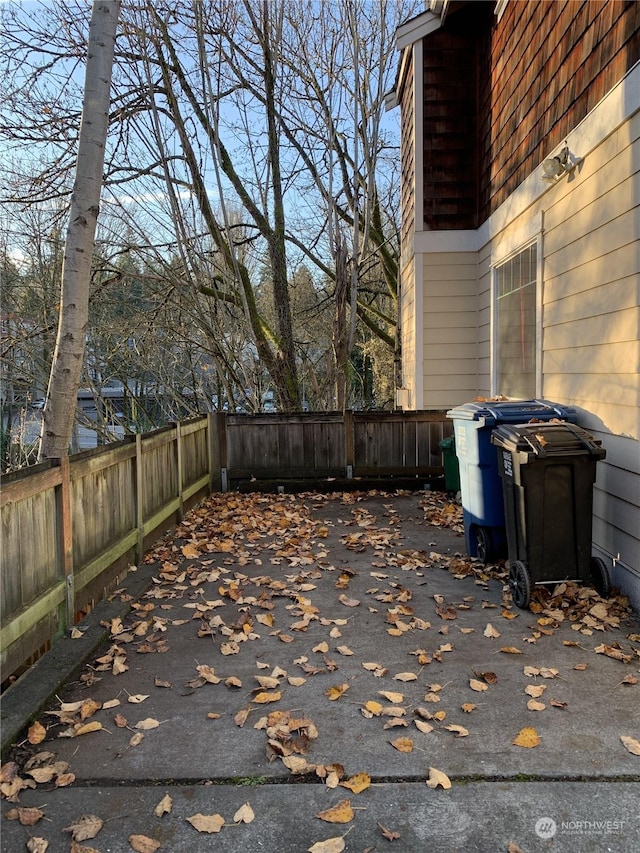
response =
{"points": [[527, 737], [344, 650], [244, 814], [36, 734], [510, 650], [26, 816], [88, 826], [405, 676], [390, 835], [613, 652], [491, 632], [37, 845], [206, 672], [358, 783], [87, 728], [459, 731], [631, 744], [402, 744], [137, 698], [65, 779], [267, 696], [322, 648], [143, 844], [331, 845], [372, 708], [190, 551], [120, 721], [391, 697], [164, 806], [535, 690], [438, 778], [478, 686], [206, 823], [340, 813], [534, 705], [333, 693], [423, 726], [512, 847], [137, 738], [348, 602], [147, 724]]}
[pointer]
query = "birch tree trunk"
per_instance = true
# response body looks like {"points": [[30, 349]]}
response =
{"points": [[64, 380]]}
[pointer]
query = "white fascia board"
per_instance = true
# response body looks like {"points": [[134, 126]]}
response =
{"points": [[416, 29]]}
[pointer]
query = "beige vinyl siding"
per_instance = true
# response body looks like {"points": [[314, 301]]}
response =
{"points": [[592, 285], [591, 348], [450, 348], [484, 321], [408, 330]]}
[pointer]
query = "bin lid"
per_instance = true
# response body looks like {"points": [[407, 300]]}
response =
{"points": [[557, 439], [511, 411]]}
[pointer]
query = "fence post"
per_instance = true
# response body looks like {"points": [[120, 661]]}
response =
{"points": [[218, 452], [139, 498], [180, 464], [66, 528], [349, 443]]}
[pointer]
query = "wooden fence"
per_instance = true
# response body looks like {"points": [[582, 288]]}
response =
{"points": [[71, 527]]}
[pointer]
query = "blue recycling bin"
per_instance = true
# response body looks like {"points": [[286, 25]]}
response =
{"points": [[480, 481]]}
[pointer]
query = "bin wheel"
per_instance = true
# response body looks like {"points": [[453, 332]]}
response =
{"points": [[600, 577], [520, 584], [484, 544]]}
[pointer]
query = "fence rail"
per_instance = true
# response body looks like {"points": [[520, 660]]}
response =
{"points": [[71, 527]]}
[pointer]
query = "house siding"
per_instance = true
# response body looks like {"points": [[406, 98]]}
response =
{"points": [[450, 373], [557, 74], [407, 160], [574, 54]]}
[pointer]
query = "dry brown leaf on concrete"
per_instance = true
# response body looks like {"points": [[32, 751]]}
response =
{"points": [[340, 813], [438, 778], [478, 686], [137, 698], [267, 696], [391, 696], [88, 826], [405, 676], [402, 744], [631, 744], [330, 845], [164, 806], [389, 834], [206, 822], [37, 845], [491, 632], [459, 731], [36, 734], [245, 814], [358, 783], [26, 816], [143, 844], [333, 693], [534, 705], [147, 724], [527, 737]]}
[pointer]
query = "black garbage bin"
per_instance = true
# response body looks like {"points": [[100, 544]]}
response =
{"points": [[547, 472]]}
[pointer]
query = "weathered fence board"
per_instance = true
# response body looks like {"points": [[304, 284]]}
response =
{"points": [[70, 528]]}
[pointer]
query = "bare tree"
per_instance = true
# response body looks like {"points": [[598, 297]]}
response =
{"points": [[66, 369]]}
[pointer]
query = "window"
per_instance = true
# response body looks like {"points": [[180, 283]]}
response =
{"points": [[516, 301]]}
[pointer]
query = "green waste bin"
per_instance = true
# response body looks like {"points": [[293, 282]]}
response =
{"points": [[451, 464], [548, 471]]}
